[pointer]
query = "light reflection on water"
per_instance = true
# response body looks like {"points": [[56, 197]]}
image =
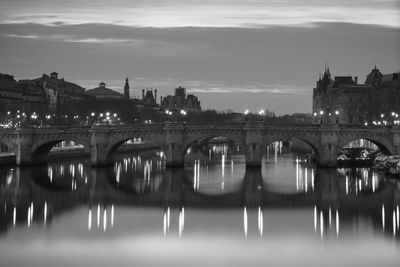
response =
{"points": [[215, 202]]}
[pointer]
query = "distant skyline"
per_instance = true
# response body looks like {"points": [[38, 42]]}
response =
{"points": [[233, 54]]}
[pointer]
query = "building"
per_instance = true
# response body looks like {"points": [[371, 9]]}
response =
{"points": [[102, 92], [65, 92], [149, 98], [22, 95], [126, 89], [10, 93], [344, 100], [181, 100], [44, 94]]}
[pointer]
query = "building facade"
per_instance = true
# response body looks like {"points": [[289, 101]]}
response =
{"points": [[102, 92], [43, 95], [181, 100], [66, 92], [21, 95], [343, 100]]}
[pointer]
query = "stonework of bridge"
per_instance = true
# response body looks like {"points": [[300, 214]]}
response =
{"points": [[32, 145]]}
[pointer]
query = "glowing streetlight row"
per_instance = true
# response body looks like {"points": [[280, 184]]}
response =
{"points": [[260, 112], [321, 112], [169, 112]]}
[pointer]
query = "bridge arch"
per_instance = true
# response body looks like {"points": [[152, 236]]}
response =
{"points": [[385, 146], [197, 140], [138, 141], [41, 150], [310, 144]]}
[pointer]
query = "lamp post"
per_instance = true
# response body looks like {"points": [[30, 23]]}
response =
{"points": [[93, 119], [183, 113], [261, 113], [246, 117], [337, 116], [321, 113]]}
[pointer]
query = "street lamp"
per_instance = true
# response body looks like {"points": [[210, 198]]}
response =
{"points": [[246, 112]]}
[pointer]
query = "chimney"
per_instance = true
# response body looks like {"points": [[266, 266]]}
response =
{"points": [[356, 79], [155, 95], [142, 93]]}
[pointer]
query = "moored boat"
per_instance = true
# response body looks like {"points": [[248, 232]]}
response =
{"points": [[390, 164]]}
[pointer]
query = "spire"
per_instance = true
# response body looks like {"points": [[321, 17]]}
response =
{"points": [[126, 88]]}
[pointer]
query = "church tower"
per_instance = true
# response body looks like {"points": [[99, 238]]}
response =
{"points": [[126, 88]]}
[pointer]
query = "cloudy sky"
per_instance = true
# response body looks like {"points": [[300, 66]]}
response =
{"points": [[233, 54]]}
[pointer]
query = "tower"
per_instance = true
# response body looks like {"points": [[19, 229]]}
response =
{"points": [[126, 88]]}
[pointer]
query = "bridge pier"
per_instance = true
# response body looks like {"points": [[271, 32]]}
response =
{"points": [[174, 155], [254, 153], [327, 155], [23, 155], [99, 155]]}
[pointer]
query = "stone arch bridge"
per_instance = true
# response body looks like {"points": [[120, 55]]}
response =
{"points": [[32, 145]]}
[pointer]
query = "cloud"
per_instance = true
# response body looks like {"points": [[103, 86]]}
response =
{"points": [[31, 36], [202, 13], [76, 39], [252, 88], [166, 85]]}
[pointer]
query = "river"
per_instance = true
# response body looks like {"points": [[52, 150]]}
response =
{"points": [[213, 212]]}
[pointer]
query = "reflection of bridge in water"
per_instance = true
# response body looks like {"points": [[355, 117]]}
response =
{"points": [[25, 200]]}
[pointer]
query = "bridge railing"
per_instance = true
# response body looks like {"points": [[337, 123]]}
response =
{"points": [[162, 125]]}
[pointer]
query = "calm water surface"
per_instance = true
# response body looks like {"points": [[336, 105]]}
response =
{"points": [[213, 212]]}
